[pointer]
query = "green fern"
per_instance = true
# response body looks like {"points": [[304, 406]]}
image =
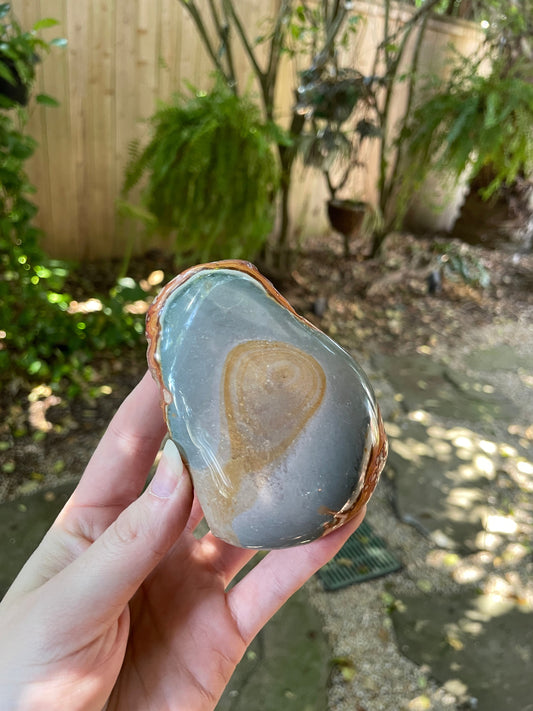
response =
{"points": [[476, 121], [209, 175]]}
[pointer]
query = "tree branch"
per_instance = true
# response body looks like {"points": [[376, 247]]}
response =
{"points": [[410, 98], [338, 18], [230, 10], [224, 34], [423, 10], [214, 15], [276, 44], [191, 8]]}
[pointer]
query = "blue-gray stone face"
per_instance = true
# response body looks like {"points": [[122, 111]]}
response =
{"points": [[275, 421]]}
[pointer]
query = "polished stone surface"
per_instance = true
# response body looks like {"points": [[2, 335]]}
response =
{"points": [[278, 424]]}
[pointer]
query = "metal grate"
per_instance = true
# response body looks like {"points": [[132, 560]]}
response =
{"points": [[364, 556]]}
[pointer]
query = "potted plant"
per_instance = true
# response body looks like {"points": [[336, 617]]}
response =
{"points": [[478, 124], [339, 104], [209, 175]]}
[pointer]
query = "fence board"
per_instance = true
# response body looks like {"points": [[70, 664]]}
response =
{"points": [[169, 48], [76, 23]]}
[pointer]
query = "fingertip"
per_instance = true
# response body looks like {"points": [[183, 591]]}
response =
{"points": [[340, 535], [170, 472]]}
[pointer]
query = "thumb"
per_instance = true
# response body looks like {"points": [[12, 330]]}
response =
{"points": [[107, 575]]}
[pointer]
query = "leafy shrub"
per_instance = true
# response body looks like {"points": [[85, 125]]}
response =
{"points": [[210, 175], [473, 122], [39, 338], [20, 50]]}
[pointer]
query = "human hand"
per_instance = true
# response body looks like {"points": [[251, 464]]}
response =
{"points": [[121, 607]]}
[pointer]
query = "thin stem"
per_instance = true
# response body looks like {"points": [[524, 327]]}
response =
{"points": [[276, 44], [332, 189], [424, 10], [392, 66], [216, 19], [224, 32], [230, 11], [410, 98], [193, 11], [332, 31]]}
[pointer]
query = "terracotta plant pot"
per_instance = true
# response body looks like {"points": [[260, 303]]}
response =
{"points": [[346, 217]]}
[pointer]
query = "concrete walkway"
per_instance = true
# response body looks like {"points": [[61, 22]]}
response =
{"points": [[461, 462], [460, 477]]}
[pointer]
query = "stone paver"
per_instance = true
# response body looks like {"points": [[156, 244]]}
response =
{"points": [[286, 666], [477, 650], [23, 523], [426, 384], [464, 479]]}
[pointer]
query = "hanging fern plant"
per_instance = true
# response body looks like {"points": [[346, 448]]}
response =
{"points": [[208, 175]]}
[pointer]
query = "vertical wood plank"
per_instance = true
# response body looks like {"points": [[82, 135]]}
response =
{"points": [[147, 57], [77, 23], [146, 73], [101, 128], [187, 50], [170, 19], [61, 177], [127, 119], [127, 124]]}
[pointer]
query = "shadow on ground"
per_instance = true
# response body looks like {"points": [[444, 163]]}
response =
{"points": [[462, 475]]}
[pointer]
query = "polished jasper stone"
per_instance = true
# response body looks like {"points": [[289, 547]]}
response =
{"points": [[278, 425]]}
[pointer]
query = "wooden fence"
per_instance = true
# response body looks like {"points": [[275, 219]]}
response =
{"points": [[122, 56]]}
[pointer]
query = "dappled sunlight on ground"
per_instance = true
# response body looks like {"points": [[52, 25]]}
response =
{"points": [[469, 488], [475, 479]]}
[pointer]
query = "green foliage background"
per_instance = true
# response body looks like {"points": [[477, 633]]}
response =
{"points": [[39, 338]]}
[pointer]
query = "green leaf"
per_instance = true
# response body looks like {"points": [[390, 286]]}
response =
{"points": [[35, 366], [5, 8], [457, 128], [6, 73], [296, 32], [46, 100], [345, 666], [45, 23], [491, 117], [59, 42]]}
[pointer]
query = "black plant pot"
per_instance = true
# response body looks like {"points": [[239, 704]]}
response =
{"points": [[346, 217]]}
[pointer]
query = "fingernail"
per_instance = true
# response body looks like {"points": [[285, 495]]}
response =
{"points": [[168, 472]]}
